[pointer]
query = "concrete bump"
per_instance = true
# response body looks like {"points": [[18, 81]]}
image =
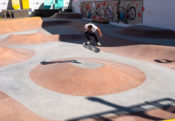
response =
{"points": [[11, 56], [86, 76]]}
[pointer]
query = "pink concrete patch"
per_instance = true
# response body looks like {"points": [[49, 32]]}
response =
{"points": [[14, 111], [20, 24], [12, 56], [73, 80], [35, 38]]}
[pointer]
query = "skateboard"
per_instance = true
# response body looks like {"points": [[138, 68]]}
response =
{"points": [[92, 48]]}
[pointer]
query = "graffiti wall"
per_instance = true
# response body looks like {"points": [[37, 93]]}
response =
{"points": [[120, 11]]}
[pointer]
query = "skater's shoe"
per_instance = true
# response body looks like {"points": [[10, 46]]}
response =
{"points": [[98, 43], [87, 43]]}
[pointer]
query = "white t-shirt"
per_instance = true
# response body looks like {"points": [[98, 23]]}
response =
{"points": [[94, 28]]}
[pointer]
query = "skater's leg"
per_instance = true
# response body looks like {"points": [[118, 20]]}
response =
{"points": [[96, 38], [87, 34]]}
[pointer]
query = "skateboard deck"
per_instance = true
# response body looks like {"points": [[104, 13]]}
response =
{"points": [[92, 48]]}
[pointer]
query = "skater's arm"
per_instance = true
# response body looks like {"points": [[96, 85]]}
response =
{"points": [[99, 31]]}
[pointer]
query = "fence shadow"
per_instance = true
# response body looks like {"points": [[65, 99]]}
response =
{"points": [[135, 110]]}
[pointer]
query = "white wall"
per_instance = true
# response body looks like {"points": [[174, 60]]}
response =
{"points": [[159, 13]]}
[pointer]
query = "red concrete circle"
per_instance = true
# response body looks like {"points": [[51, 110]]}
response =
{"points": [[64, 77]]}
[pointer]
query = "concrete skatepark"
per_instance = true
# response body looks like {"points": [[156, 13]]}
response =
{"points": [[46, 74]]}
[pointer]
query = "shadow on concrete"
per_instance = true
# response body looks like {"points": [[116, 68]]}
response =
{"points": [[66, 15], [68, 27], [64, 29], [67, 31], [73, 38], [53, 62], [164, 61], [140, 110], [147, 32], [46, 24]]}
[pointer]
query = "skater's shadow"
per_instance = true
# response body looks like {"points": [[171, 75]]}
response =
{"points": [[53, 62], [164, 61]]}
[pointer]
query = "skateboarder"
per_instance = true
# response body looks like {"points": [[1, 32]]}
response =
{"points": [[91, 30]]}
